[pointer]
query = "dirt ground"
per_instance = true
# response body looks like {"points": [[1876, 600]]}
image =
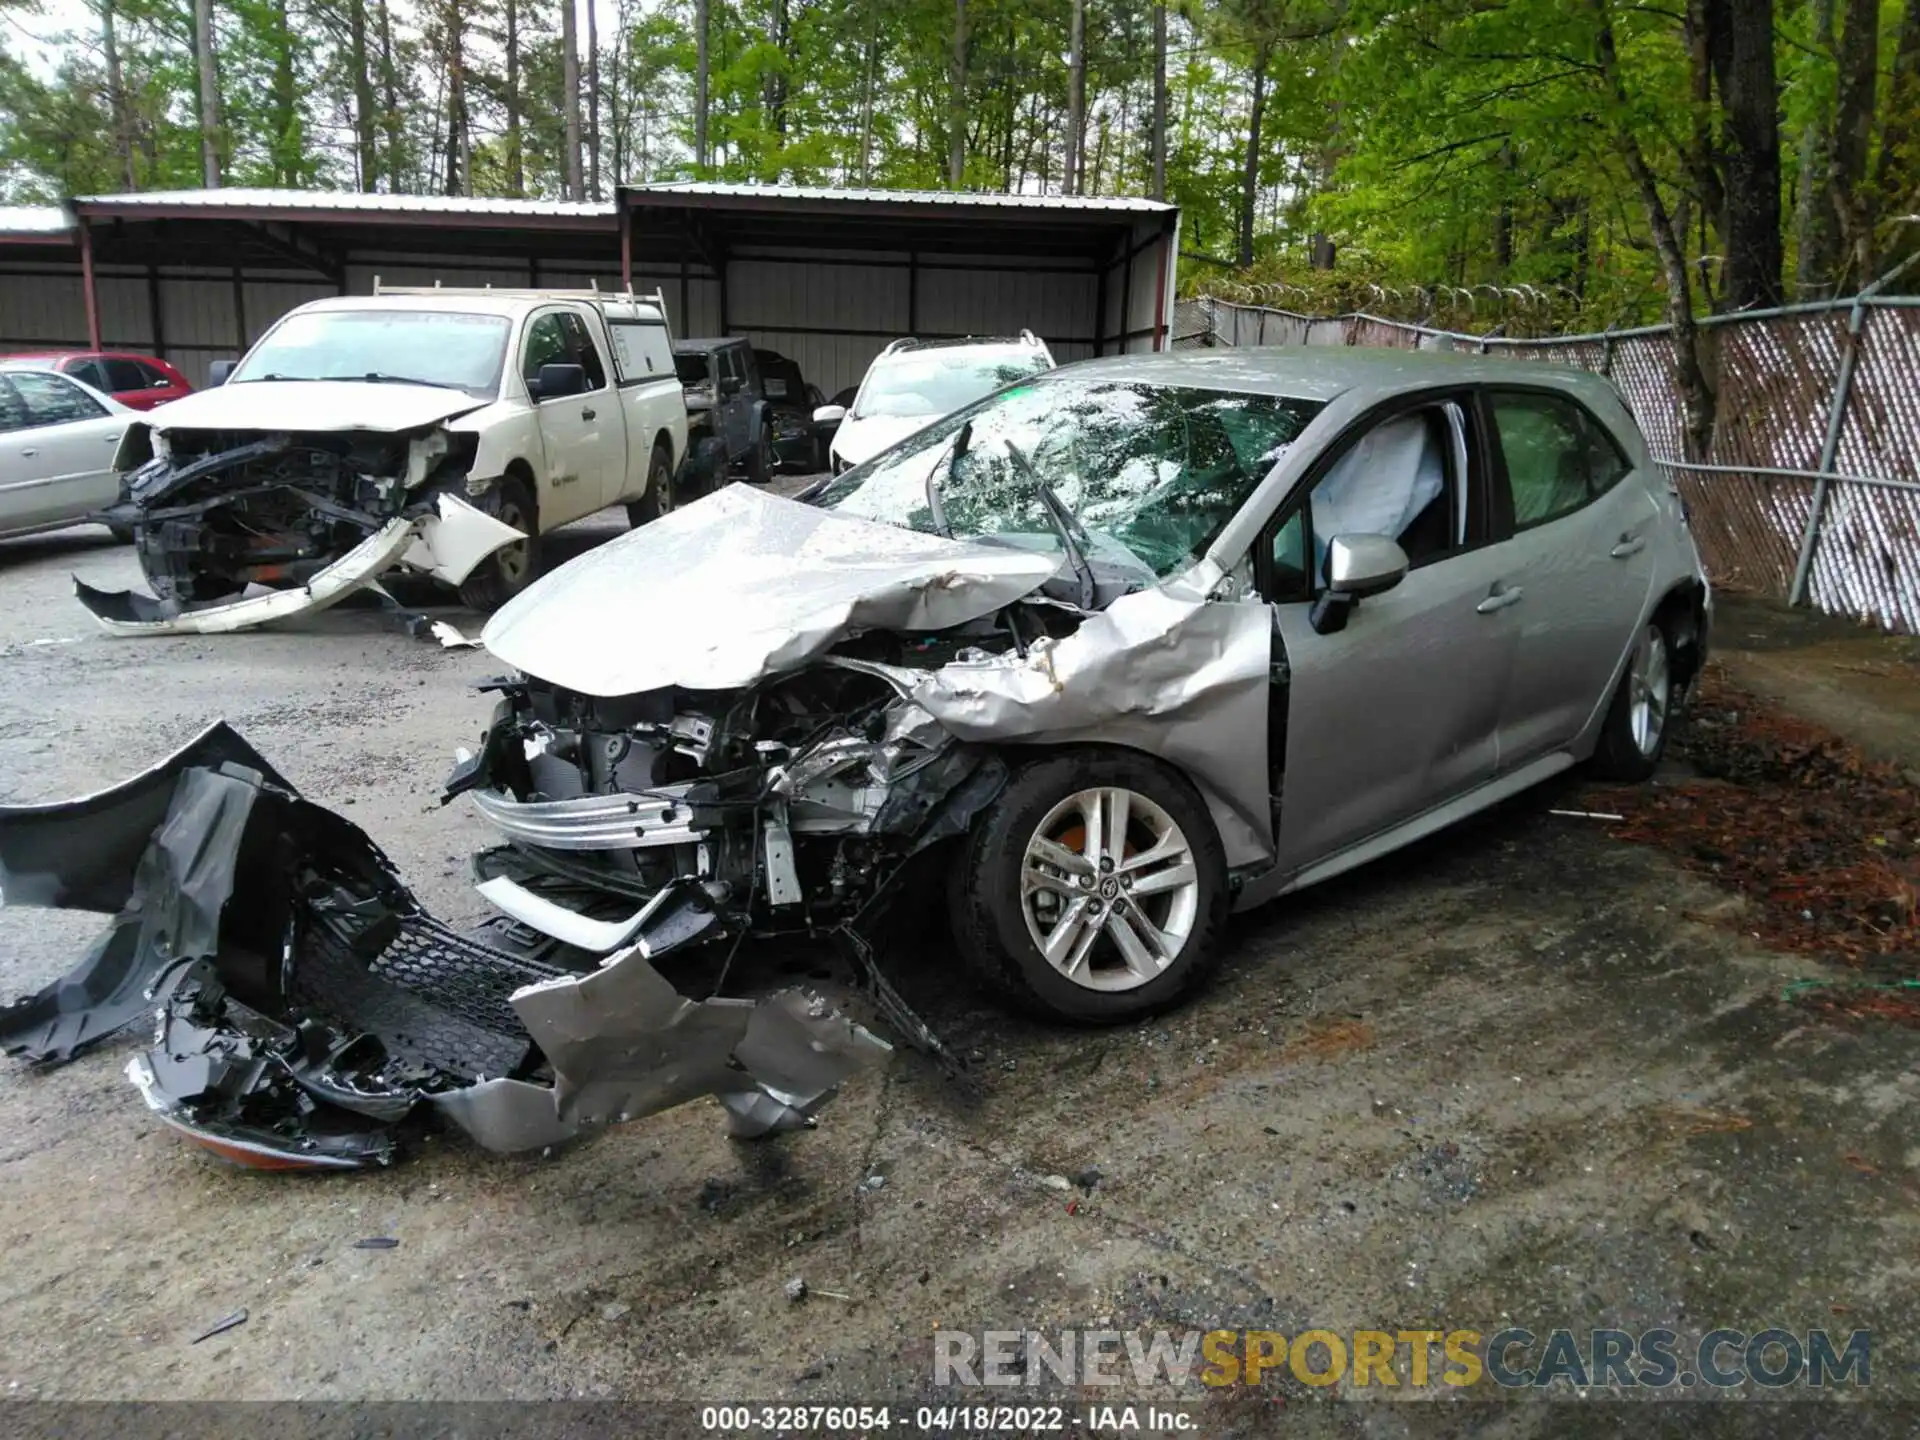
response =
{"points": [[1522, 1074]]}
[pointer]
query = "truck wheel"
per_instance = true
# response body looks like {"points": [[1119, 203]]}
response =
{"points": [[658, 499], [510, 569], [760, 462]]}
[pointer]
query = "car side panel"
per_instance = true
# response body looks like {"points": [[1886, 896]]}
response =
{"points": [[1396, 713], [1586, 578]]}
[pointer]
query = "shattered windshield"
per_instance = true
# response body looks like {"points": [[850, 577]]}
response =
{"points": [[933, 382], [1151, 472], [427, 347]]}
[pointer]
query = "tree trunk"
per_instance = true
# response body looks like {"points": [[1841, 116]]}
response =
{"points": [[1816, 222], [459, 174], [957, 101], [390, 85], [366, 158], [1250, 170], [570, 95], [1853, 134], [773, 88], [866, 109], [1897, 177], [209, 85], [516, 130], [1159, 187], [1750, 96], [1070, 174], [117, 95], [1704, 30], [701, 87], [283, 144], [1696, 395], [593, 100]]}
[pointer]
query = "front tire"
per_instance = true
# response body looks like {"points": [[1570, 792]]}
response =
{"points": [[1634, 735], [510, 569], [658, 499], [1094, 889]]}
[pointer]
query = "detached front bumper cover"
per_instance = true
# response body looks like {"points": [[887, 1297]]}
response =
{"points": [[446, 543], [307, 1004]]}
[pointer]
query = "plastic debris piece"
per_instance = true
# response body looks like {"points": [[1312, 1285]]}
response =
{"points": [[376, 1242], [220, 1327]]}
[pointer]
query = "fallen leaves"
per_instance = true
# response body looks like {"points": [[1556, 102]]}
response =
{"points": [[1822, 843]]}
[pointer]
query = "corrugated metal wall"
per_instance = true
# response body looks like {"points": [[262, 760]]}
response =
{"points": [[831, 312]]}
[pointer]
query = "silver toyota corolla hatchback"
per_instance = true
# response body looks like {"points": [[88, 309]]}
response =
{"points": [[1119, 649]]}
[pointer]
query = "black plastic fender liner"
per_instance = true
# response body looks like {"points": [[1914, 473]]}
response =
{"points": [[160, 852]]}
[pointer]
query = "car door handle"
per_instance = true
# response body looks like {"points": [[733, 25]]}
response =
{"points": [[587, 414], [1629, 545], [1500, 599], [29, 452]]}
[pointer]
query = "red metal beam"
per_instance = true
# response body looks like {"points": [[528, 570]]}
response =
{"points": [[87, 285]]}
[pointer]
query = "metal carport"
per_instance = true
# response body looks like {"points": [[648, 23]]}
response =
{"points": [[827, 276]]}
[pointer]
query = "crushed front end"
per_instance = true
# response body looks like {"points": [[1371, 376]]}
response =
{"points": [[792, 805], [308, 518]]}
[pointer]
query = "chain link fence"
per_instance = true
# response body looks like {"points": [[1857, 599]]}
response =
{"points": [[1808, 490]]}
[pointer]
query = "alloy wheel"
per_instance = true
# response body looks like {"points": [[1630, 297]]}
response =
{"points": [[1649, 690], [1109, 888], [513, 559]]}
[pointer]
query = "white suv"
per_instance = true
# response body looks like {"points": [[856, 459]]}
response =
{"points": [[912, 383]]}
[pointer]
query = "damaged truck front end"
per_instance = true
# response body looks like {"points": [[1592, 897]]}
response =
{"points": [[236, 527]]}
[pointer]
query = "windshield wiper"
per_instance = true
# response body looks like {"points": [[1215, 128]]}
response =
{"points": [[934, 503], [375, 377], [1072, 537]]}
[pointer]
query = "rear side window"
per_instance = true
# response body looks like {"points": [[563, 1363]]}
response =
{"points": [[13, 410], [89, 372], [1558, 457], [125, 375], [586, 354], [55, 400]]}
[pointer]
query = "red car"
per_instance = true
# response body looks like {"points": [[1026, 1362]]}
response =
{"points": [[139, 382]]}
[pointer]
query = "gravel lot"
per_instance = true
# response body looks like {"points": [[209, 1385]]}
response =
{"points": [[1522, 1074]]}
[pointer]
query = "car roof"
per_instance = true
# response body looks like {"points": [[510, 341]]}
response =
{"points": [[701, 345], [453, 302], [1322, 372]]}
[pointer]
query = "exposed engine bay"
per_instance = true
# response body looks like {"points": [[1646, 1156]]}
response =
{"points": [[792, 804], [312, 517]]}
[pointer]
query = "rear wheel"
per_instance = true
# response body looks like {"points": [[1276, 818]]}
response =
{"points": [[1634, 736], [1094, 889], [511, 568], [658, 499], [760, 459]]}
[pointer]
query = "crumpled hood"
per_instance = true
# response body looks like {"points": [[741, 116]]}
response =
{"points": [[295, 405], [740, 585], [858, 441]]}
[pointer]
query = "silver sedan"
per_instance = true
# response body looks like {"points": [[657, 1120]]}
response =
{"points": [[57, 441]]}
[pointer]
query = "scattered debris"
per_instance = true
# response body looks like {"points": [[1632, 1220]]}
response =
{"points": [[1823, 843], [220, 1327], [873, 1182], [615, 1310], [450, 637], [796, 1290], [376, 1242], [1088, 1178], [1586, 815], [307, 1002]]}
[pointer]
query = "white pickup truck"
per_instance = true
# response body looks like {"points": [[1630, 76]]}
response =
{"points": [[438, 430]]}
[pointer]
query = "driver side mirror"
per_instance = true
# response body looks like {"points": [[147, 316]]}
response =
{"points": [[731, 384], [219, 370], [829, 414], [1357, 566], [554, 382]]}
